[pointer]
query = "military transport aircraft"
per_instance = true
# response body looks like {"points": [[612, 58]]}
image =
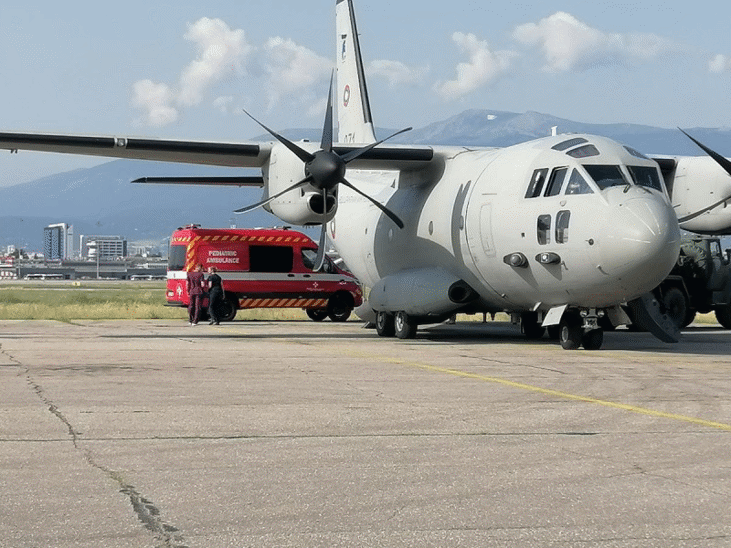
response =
{"points": [[565, 232]]}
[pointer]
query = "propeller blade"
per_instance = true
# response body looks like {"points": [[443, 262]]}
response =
{"points": [[301, 153], [303, 182], [327, 130], [320, 258], [720, 160], [357, 153], [390, 214], [702, 211]]}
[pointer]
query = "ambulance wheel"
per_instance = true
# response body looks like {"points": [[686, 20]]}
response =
{"points": [[227, 310], [339, 308], [570, 332], [385, 324], [316, 315], [593, 339], [404, 326]]}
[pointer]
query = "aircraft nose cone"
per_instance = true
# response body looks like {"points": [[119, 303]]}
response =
{"points": [[643, 242]]}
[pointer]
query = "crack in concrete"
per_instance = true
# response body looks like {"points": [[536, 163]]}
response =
{"points": [[166, 535]]}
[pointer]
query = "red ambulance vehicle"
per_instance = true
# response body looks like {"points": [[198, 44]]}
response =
{"points": [[261, 268]]}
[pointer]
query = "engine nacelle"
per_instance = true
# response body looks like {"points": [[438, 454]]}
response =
{"points": [[301, 206], [697, 183], [421, 292]]}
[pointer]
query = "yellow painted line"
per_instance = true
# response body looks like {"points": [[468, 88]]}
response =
{"points": [[551, 392]]}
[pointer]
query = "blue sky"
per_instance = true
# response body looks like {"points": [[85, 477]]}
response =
{"points": [[184, 69]]}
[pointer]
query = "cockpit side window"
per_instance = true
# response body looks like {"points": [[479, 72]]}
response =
{"points": [[536, 183], [558, 176], [577, 184], [606, 176], [562, 226], [645, 176], [544, 229]]}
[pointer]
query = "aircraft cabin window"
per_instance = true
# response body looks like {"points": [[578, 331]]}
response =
{"points": [[544, 229], [645, 176], [583, 152], [606, 176], [570, 143], [536, 183], [562, 226], [577, 184], [558, 176]]}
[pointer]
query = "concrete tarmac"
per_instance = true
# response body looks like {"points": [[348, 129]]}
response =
{"points": [[302, 434]]}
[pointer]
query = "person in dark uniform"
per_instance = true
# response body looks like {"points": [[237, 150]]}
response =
{"points": [[196, 286], [215, 294]]}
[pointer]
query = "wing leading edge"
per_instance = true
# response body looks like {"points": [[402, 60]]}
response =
{"points": [[189, 152]]}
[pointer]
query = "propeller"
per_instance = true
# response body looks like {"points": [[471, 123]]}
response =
{"points": [[720, 160], [325, 170]]}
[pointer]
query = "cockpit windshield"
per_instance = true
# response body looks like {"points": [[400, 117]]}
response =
{"points": [[606, 176], [645, 176]]}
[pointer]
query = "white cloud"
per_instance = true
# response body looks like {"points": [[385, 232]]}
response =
{"points": [[284, 70], [396, 72], [719, 64], [484, 67], [220, 51], [156, 102], [223, 104], [570, 45], [293, 71]]}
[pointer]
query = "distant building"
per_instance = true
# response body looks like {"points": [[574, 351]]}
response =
{"points": [[58, 242], [109, 247]]}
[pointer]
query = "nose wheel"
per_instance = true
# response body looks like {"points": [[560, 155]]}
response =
{"points": [[572, 335]]}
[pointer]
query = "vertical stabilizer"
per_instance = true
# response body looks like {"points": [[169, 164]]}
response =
{"points": [[355, 123]]}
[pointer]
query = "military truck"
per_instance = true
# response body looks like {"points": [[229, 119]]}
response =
{"points": [[700, 282]]}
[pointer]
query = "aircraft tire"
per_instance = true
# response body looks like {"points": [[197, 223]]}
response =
{"points": [[592, 340], [675, 306], [530, 327], [404, 326], [385, 324], [316, 315], [570, 332], [723, 315], [689, 317]]}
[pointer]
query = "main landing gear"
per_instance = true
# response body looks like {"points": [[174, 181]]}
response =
{"points": [[400, 324]]}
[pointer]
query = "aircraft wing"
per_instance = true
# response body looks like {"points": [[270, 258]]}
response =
{"points": [[189, 152]]}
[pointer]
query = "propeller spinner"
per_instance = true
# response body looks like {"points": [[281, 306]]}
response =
{"points": [[324, 170]]}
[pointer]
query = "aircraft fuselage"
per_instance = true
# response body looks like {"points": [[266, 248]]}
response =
{"points": [[527, 227]]}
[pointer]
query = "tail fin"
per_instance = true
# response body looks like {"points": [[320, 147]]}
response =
{"points": [[355, 123]]}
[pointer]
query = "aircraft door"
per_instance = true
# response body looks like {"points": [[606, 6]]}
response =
{"points": [[480, 239]]}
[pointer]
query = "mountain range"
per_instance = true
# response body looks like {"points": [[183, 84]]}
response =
{"points": [[101, 201]]}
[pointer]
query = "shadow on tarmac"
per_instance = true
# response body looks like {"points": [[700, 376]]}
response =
{"points": [[700, 340]]}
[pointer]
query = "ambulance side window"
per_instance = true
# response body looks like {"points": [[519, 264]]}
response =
{"points": [[265, 258], [308, 259], [176, 257]]}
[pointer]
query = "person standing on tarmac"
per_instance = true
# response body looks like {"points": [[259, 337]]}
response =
{"points": [[215, 294], [196, 287]]}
